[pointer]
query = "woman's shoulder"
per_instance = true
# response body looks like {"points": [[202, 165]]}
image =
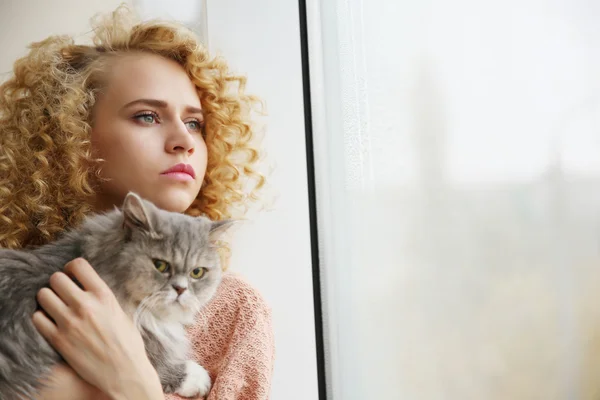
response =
{"points": [[236, 295], [235, 282]]}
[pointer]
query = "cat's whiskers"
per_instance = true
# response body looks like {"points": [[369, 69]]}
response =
{"points": [[147, 304], [195, 305]]}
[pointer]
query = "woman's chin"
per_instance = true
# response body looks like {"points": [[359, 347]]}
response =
{"points": [[173, 200]]}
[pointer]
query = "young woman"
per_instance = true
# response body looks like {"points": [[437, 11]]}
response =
{"points": [[144, 109]]}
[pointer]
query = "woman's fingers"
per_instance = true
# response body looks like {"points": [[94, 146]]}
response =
{"points": [[54, 306], [66, 289], [46, 328], [81, 270], [64, 299], [93, 333]]}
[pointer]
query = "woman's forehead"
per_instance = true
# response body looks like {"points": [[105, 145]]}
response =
{"points": [[151, 77]]}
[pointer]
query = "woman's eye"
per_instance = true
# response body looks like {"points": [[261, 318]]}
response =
{"points": [[147, 118], [195, 125], [161, 266], [198, 273]]}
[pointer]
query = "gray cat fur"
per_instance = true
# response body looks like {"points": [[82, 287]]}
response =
{"points": [[120, 245]]}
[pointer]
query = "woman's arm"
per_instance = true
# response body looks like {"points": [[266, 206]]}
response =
{"points": [[94, 336], [65, 384], [233, 339], [248, 360]]}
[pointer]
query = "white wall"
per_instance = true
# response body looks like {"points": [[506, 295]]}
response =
{"points": [[26, 21], [260, 39]]}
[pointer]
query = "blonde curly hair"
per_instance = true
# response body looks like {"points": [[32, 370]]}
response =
{"points": [[47, 171]]}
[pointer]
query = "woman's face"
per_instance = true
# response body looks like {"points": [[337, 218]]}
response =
{"points": [[148, 128]]}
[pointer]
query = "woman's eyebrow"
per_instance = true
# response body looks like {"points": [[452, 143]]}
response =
{"points": [[162, 104]]}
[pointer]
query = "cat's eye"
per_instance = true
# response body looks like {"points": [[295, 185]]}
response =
{"points": [[198, 273], [161, 266]]}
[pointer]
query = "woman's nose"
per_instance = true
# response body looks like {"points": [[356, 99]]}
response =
{"points": [[180, 139]]}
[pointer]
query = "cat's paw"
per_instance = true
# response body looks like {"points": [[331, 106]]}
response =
{"points": [[196, 382]]}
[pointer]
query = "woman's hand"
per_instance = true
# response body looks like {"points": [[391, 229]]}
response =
{"points": [[94, 336]]}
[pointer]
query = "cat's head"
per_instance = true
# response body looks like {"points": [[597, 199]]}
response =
{"points": [[172, 263]]}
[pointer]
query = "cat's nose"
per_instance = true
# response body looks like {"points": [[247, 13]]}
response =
{"points": [[179, 289]]}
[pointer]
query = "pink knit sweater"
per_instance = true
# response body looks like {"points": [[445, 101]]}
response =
{"points": [[233, 339]]}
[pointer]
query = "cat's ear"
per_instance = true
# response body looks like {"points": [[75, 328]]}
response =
{"points": [[135, 214], [218, 228]]}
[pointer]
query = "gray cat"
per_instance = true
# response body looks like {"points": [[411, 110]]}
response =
{"points": [[161, 266]]}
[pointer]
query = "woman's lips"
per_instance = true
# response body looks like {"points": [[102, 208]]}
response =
{"points": [[179, 176], [180, 172]]}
